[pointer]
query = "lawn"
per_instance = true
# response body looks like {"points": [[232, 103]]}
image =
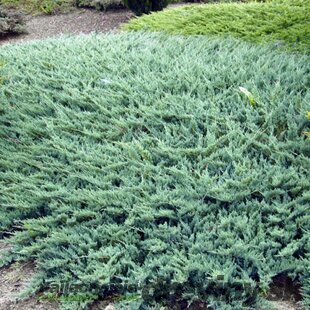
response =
{"points": [[156, 169], [284, 23]]}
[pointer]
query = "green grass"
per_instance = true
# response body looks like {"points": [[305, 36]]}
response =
{"points": [[283, 22], [132, 165]]}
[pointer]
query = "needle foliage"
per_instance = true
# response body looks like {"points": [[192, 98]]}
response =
{"points": [[133, 165], [10, 22], [285, 23]]}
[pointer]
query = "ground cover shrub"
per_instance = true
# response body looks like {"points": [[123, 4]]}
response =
{"points": [[155, 168], [284, 22], [10, 22]]}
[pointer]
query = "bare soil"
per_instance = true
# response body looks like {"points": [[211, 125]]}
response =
{"points": [[77, 22], [284, 294]]}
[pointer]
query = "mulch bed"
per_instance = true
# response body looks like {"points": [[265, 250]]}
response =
{"points": [[77, 22]]}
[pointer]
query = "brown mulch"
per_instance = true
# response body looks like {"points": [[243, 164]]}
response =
{"points": [[77, 22]]}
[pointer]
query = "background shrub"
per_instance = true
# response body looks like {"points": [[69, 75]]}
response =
{"points": [[140, 7], [10, 22], [101, 4], [41, 6]]}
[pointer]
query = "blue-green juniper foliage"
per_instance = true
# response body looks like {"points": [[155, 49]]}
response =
{"points": [[133, 165]]}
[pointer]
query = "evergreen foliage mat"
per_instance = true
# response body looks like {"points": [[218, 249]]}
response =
{"points": [[284, 23], [155, 169]]}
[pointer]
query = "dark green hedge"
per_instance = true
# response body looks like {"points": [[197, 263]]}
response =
{"points": [[11, 22], [101, 4]]}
